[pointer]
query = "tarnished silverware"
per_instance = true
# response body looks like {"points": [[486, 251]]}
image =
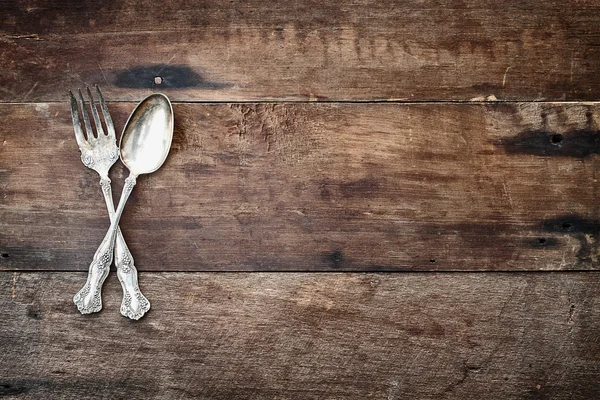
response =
{"points": [[99, 152], [145, 144]]}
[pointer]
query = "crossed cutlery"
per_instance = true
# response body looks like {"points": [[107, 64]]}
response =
{"points": [[145, 143]]}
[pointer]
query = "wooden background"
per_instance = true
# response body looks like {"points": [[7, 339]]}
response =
{"points": [[386, 200]]}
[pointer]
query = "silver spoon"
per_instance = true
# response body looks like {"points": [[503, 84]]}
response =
{"points": [[145, 144]]}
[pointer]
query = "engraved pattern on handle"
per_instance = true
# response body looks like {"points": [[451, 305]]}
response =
{"points": [[134, 304], [89, 298]]}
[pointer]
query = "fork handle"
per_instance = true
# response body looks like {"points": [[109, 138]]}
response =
{"points": [[134, 304], [89, 299]]}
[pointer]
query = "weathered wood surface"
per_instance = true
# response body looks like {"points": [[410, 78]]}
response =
{"points": [[306, 336], [302, 50], [317, 187]]}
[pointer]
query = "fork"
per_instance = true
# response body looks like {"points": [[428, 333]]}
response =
{"points": [[100, 152]]}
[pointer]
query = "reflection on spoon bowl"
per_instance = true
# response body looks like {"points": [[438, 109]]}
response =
{"points": [[147, 136]]}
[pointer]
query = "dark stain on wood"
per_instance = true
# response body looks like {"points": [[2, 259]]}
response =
{"points": [[16, 255], [335, 259], [571, 224], [113, 388], [34, 311], [325, 191], [192, 223], [543, 242], [16, 387], [365, 188], [578, 143], [585, 230], [488, 88], [162, 76]]}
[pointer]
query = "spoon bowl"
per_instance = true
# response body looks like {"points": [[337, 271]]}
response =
{"points": [[147, 136]]}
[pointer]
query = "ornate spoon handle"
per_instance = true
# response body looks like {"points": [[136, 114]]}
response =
{"points": [[134, 304]]}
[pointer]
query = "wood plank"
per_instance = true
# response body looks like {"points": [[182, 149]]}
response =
{"points": [[317, 187], [306, 336], [303, 50]]}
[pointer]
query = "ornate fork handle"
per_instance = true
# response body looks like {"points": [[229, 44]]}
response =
{"points": [[134, 304], [89, 298]]}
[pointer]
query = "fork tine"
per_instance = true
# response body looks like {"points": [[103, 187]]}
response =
{"points": [[76, 121], [107, 119], [99, 130], [86, 118]]}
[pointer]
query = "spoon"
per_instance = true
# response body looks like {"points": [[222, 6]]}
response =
{"points": [[145, 144]]}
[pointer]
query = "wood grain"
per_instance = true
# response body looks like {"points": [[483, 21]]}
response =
{"points": [[302, 50], [324, 187], [306, 336]]}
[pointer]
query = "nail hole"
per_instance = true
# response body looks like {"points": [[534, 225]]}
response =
{"points": [[337, 257], [5, 255], [556, 139], [158, 80], [542, 240], [566, 226], [432, 261]]}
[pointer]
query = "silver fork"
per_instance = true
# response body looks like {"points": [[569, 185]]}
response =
{"points": [[100, 152]]}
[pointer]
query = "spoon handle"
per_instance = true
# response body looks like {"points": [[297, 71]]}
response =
{"points": [[134, 304]]}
